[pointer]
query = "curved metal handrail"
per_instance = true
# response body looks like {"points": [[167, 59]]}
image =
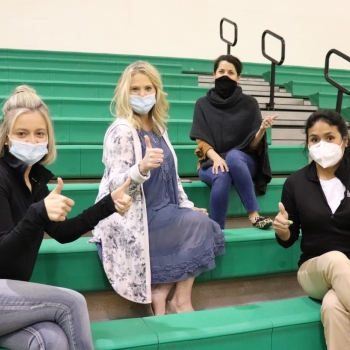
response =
{"points": [[341, 88], [271, 104], [229, 44], [283, 47]]}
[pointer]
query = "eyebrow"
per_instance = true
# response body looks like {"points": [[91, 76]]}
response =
{"points": [[326, 134]]}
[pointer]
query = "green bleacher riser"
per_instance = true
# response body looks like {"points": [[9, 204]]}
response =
{"points": [[84, 195], [284, 77], [78, 131], [189, 65], [290, 324], [95, 90], [249, 252], [85, 161], [71, 75], [78, 64], [305, 88]]}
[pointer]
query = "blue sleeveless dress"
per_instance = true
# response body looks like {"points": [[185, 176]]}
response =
{"points": [[183, 243]]}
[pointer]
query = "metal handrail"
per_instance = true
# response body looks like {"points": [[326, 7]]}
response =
{"points": [[229, 44], [341, 88], [271, 104]]}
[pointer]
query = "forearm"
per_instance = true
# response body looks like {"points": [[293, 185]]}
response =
{"points": [[71, 229], [257, 139]]}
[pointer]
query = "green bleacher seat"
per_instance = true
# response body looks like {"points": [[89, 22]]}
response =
{"points": [[95, 90], [70, 75], [290, 324], [85, 161], [91, 131], [249, 252], [64, 63]]}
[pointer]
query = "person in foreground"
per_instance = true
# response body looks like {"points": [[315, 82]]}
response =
{"points": [[316, 200], [35, 316], [163, 240], [232, 145]]}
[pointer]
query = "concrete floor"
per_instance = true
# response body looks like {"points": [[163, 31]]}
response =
{"points": [[206, 295]]}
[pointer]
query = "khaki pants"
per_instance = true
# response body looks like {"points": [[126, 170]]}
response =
{"points": [[327, 278]]}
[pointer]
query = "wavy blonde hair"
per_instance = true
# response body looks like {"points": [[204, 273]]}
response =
{"points": [[25, 100], [120, 105]]}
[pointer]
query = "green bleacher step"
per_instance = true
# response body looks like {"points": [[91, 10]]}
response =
{"points": [[85, 161], [84, 195], [328, 100], [305, 88], [71, 75], [63, 63], [189, 65], [284, 77], [77, 131], [95, 90], [249, 252]]}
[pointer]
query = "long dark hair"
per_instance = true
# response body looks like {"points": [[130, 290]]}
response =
{"points": [[231, 59], [332, 118]]}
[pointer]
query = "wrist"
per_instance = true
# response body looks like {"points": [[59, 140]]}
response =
{"points": [[141, 170]]}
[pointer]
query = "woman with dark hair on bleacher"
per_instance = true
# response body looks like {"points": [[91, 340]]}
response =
{"points": [[32, 315], [232, 145], [163, 241], [316, 201]]}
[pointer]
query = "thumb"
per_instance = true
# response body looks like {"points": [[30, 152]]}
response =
{"points": [[274, 116], [59, 186], [282, 210], [125, 185], [148, 142]]}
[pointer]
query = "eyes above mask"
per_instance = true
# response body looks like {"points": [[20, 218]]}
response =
{"points": [[29, 153], [142, 104], [326, 154]]}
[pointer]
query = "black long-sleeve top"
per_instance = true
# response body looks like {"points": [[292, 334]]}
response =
{"points": [[304, 200], [24, 219]]}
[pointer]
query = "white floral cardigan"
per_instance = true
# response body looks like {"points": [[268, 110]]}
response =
{"points": [[124, 240]]}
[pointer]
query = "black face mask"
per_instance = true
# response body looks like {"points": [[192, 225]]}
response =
{"points": [[225, 86]]}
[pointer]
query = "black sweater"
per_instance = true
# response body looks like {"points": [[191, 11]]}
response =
{"points": [[23, 218], [231, 123], [306, 204]]}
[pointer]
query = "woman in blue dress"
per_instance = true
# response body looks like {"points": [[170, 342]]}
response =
{"points": [[163, 240]]}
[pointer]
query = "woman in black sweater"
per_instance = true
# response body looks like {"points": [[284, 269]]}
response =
{"points": [[316, 200], [232, 146], [33, 314]]}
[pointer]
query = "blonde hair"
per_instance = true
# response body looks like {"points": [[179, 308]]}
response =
{"points": [[25, 100], [120, 105]]}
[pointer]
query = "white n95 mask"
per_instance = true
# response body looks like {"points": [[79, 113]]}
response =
{"points": [[142, 105], [326, 154], [29, 153]]}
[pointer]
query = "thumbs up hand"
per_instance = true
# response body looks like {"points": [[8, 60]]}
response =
{"points": [[58, 206], [152, 159], [122, 201], [281, 223]]}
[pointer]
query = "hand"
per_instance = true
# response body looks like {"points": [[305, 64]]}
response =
{"points": [[58, 206], [268, 122], [152, 159], [122, 201], [201, 210], [281, 223], [219, 163]]}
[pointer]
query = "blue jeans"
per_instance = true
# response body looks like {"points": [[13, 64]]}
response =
{"points": [[243, 168], [41, 317]]}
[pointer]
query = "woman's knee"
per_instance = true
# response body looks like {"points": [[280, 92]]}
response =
{"points": [[46, 336], [331, 308], [335, 260]]}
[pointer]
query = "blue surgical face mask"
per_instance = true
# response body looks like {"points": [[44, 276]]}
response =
{"points": [[29, 153], [142, 105]]}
